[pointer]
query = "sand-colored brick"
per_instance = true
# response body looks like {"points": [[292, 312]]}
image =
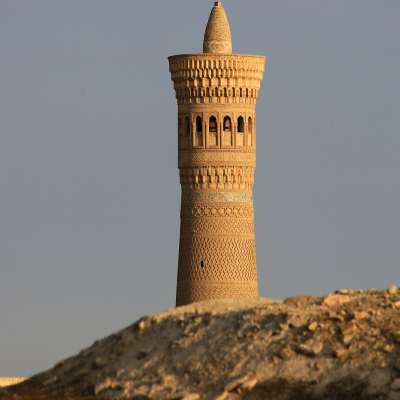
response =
{"points": [[216, 92]]}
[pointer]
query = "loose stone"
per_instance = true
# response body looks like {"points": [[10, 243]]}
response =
{"points": [[347, 339], [222, 396], [191, 396], [311, 347], [338, 353], [297, 299], [360, 315], [312, 326], [393, 289], [388, 348], [334, 299], [285, 354], [247, 386], [348, 328], [237, 382]]}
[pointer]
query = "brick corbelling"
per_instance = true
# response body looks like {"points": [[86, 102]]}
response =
{"points": [[236, 62], [203, 77], [217, 177]]}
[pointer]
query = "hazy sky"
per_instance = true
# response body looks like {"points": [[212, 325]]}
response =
{"points": [[90, 194]]}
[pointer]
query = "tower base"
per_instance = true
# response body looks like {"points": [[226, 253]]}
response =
{"points": [[187, 293]]}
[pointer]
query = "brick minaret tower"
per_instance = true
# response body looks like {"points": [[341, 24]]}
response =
{"points": [[216, 93]]}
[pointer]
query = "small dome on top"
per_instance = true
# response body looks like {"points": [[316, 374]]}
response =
{"points": [[217, 37]]}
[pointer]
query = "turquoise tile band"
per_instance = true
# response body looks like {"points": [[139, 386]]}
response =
{"points": [[219, 196]]}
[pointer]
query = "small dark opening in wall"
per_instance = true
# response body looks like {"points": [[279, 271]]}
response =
{"points": [[201, 263]]}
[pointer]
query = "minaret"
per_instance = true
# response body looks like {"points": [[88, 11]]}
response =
{"points": [[216, 93]]}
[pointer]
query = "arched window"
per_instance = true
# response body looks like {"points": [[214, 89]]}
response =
{"points": [[227, 124], [213, 124], [198, 137], [212, 129], [240, 125], [199, 125]]}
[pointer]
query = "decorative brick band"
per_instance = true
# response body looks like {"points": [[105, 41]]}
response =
{"points": [[219, 196], [209, 157], [220, 226], [232, 210]]}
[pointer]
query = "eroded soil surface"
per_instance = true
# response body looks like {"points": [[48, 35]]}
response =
{"points": [[343, 346]]}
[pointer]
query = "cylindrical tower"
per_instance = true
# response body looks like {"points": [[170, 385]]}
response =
{"points": [[216, 93]]}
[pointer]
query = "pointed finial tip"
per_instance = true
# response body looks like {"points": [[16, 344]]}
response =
{"points": [[217, 37]]}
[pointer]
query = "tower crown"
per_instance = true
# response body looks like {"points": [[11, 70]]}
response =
{"points": [[217, 37]]}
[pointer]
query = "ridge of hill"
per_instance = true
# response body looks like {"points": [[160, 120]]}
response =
{"points": [[341, 346]]}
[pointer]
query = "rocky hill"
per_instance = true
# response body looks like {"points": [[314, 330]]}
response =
{"points": [[342, 346]]}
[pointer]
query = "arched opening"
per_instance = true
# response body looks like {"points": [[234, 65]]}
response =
{"points": [[240, 132], [213, 124], [240, 125], [227, 134], [227, 124], [187, 132], [212, 129], [249, 132], [199, 125], [199, 132]]}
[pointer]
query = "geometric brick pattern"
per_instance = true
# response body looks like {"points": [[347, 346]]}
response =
{"points": [[216, 92], [189, 293], [217, 259], [215, 210], [221, 226], [214, 156]]}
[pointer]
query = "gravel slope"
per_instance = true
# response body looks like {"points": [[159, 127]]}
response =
{"points": [[343, 346]]}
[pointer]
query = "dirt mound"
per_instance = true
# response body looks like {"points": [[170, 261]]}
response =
{"points": [[343, 346]]}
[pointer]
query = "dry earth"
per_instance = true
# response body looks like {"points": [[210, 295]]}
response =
{"points": [[343, 346]]}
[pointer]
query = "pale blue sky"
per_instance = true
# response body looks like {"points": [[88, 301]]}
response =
{"points": [[90, 195]]}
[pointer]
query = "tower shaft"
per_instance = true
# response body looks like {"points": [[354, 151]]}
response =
{"points": [[216, 97], [216, 93]]}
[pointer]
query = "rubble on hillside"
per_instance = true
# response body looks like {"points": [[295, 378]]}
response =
{"points": [[341, 346]]}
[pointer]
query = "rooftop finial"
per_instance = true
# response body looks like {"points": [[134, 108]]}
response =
{"points": [[217, 37]]}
